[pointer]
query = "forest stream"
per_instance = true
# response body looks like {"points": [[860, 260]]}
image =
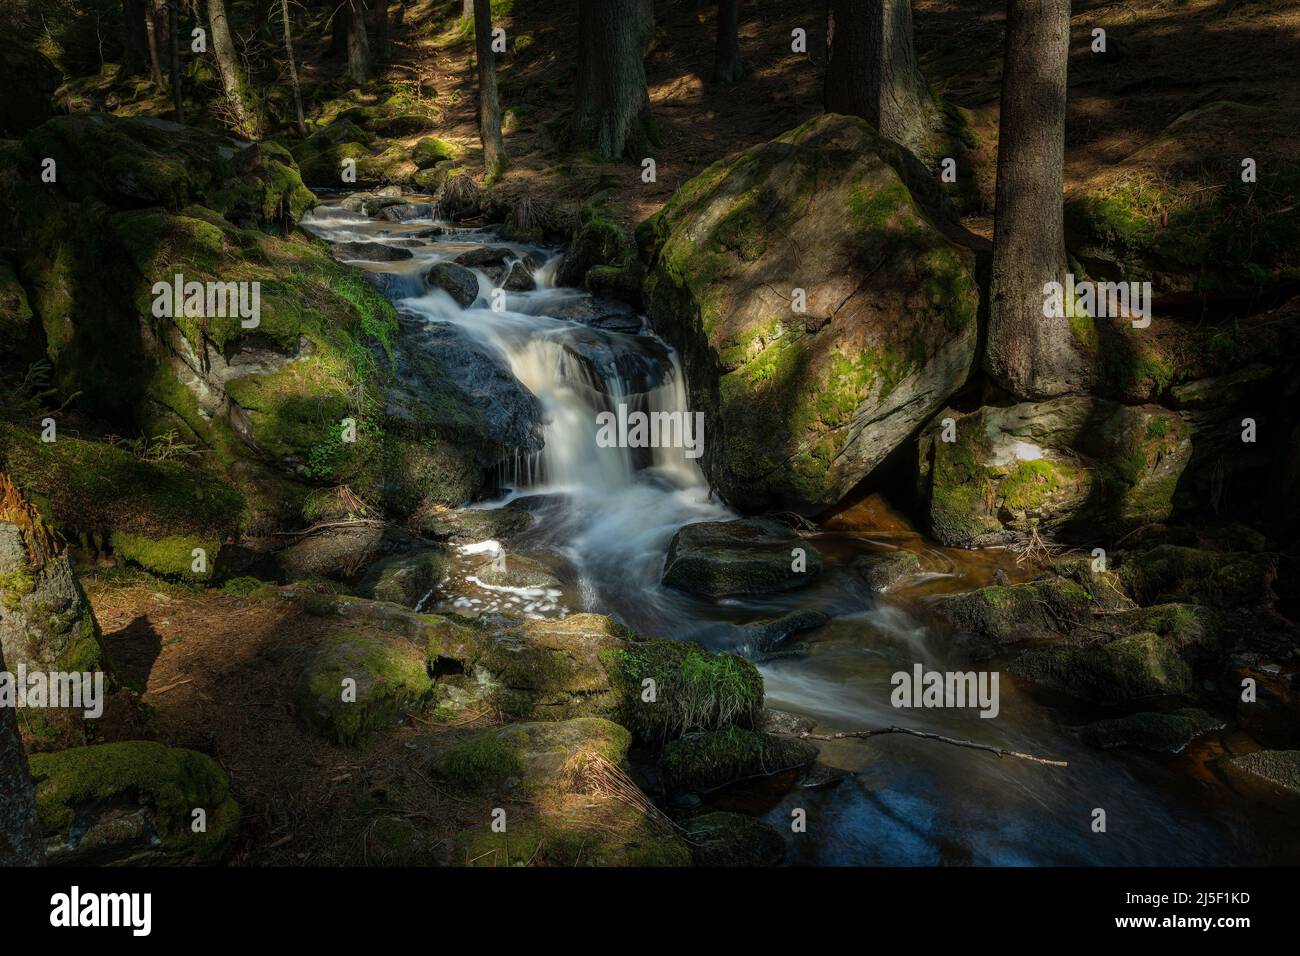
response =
{"points": [[604, 519]]}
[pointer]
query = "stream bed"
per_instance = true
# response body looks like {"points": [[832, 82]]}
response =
{"points": [[603, 521]]}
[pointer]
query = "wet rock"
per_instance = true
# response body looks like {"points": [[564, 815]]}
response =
{"points": [[707, 761], [132, 802], [599, 314], [457, 281], [406, 579], [784, 722], [1017, 613], [484, 256], [391, 683], [641, 364], [746, 556], [471, 525], [369, 251], [519, 279], [1162, 733], [1278, 767], [514, 571], [805, 406], [733, 839], [884, 570], [823, 777], [769, 636], [1076, 467], [394, 286], [406, 211], [372, 206]]}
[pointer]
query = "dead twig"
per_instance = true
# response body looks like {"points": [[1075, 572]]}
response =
{"points": [[926, 735]]}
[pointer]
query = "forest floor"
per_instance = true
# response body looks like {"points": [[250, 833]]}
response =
{"points": [[1162, 60]]}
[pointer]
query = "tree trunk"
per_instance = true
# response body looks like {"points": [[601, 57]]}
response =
{"points": [[467, 10], [20, 828], [358, 44], [223, 48], [612, 109], [380, 8], [871, 71], [135, 40], [293, 69], [174, 57], [489, 110], [727, 65], [1028, 354], [155, 43]]}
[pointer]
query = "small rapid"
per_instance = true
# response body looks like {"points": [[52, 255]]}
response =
{"points": [[603, 518]]}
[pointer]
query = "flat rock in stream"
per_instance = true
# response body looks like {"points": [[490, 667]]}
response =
{"points": [[1278, 767], [746, 556], [765, 637], [404, 212], [886, 569], [599, 314], [704, 762], [471, 525], [369, 251], [1161, 733], [484, 256]]}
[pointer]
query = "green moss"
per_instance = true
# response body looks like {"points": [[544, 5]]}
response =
{"points": [[486, 762], [171, 556], [706, 761], [171, 782], [605, 834], [693, 689], [431, 150], [242, 586], [1029, 484], [1218, 578]]}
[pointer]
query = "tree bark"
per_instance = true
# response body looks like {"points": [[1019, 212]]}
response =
{"points": [[489, 110], [293, 69], [20, 828], [612, 109], [155, 44], [467, 10], [174, 57], [1030, 355], [135, 40], [871, 71], [380, 8], [223, 48], [727, 65], [358, 44]]}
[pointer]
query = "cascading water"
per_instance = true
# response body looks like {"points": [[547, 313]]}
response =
{"points": [[604, 517]]}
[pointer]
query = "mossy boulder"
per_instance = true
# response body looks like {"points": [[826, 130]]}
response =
{"points": [[811, 369], [733, 839], [1146, 652], [431, 151], [133, 802], [998, 615], [703, 762], [1079, 468], [884, 570], [1161, 733], [152, 514], [745, 556], [406, 579], [355, 686], [1177, 213], [533, 756], [1281, 768], [597, 241], [670, 688], [609, 833], [470, 525], [1220, 579]]}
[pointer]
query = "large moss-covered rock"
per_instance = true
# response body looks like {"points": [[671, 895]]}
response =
{"points": [[1077, 467], [152, 514], [670, 688], [355, 686], [700, 763], [1176, 212], [1162, 733], [1219, 579], [133, 802], [1011, 614], [802, 405], [534, 756], [746, 556]]}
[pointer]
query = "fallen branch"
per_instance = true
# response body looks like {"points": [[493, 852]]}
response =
{"points": [[354, 523], [969, 744], [176, 683]]}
